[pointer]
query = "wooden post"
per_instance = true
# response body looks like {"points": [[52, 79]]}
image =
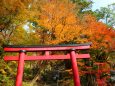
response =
{"points": [[20, 68], [75, 68]]}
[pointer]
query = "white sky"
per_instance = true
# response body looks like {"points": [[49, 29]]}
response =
{"points": [[101, 3]]}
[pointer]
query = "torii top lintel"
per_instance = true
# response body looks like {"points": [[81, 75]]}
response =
{"points": [[32, 48]]}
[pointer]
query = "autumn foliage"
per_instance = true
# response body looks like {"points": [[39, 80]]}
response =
{"points": [[61, 23], [50, 22], [97, 32]]}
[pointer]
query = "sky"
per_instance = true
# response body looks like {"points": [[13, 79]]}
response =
{"points": [[101, 3]]}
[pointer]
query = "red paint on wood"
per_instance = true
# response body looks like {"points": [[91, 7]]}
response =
{"points": [[75, 68], [50, 57], [45, 49], [47, 56], [47, 53], [20, 69]]}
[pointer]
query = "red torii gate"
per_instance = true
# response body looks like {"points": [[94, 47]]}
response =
{"points": [[46, 48]]}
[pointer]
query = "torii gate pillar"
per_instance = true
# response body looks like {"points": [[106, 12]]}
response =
{"points": [[75, 68]]}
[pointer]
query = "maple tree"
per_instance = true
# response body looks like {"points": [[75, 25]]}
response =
{"points": [[61, 24], [25, 37], [97, 32], [13, 14]]}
